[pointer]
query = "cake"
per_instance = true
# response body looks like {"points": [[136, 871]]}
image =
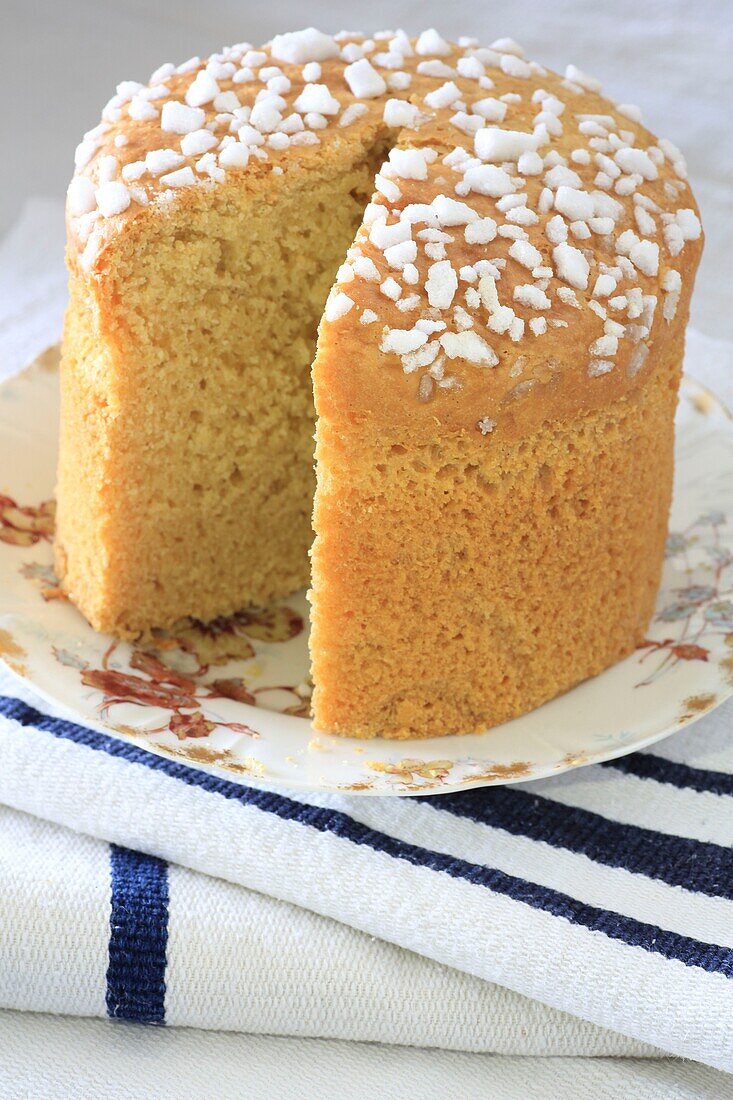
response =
{"points": [[496, 263]]}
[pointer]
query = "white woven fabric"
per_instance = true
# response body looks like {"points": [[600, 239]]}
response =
{"points": [[61, 1058], [445, 922], [242, 961], [238, 959]]}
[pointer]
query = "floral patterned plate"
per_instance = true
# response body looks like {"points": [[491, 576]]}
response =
{"points": [[231, 697]]}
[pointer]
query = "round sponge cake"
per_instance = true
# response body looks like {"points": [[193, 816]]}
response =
{"points": [[497, 262]]}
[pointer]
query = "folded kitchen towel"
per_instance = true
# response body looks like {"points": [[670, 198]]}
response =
{"points": [[605, 893], [523, 918], [92, 929]]}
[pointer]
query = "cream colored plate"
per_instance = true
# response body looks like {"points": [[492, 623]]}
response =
{"points": [[232, 699]]}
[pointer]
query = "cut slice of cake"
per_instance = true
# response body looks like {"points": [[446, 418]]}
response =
{"points": [[510, 258]]}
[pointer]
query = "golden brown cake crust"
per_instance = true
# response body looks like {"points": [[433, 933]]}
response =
{"points": [[592, 183]]}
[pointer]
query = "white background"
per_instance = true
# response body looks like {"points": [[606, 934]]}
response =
{"points": [[59, 62]]}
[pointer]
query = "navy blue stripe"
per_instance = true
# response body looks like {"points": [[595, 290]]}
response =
{"points": [[648, 766], [697, 866], [670, 945], [138, 939]]}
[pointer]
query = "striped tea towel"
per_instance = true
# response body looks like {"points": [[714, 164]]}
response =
{"points": [[605, 893], [93, 929]]}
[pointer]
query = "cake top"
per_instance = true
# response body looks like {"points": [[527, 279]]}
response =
{"points": [[513, 203]]}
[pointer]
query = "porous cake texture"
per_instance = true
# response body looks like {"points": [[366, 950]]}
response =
{"points": [[186, 475], [505, 258]]}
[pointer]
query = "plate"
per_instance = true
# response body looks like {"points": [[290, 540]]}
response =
{"points": [[232, 697]]}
